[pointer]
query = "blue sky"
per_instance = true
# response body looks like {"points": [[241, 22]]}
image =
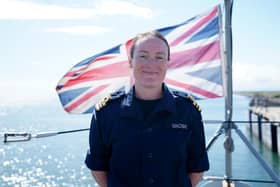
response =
{"points": [[42, 39]]}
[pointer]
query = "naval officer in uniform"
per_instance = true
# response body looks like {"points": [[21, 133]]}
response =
{"points": [[150, 136]]}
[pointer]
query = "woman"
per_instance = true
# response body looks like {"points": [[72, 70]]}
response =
{"points": [[149, 136]]}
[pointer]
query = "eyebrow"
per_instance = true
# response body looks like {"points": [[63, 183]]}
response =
{"points": [[143, 51], [158, 53]]}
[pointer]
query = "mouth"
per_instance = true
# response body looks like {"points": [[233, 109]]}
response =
{"points": [[150, 72]]}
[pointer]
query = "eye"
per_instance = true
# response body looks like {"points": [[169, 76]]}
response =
{"points": [[143, 57], [160, 58]]}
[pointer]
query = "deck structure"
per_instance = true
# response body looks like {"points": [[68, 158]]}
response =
{"points": [[266, 111]]}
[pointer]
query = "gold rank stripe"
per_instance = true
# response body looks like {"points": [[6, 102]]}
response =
{"points": [[102, 103], [194, 103]]}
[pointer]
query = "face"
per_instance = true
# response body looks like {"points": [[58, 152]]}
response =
{"points": [[149, 62]]}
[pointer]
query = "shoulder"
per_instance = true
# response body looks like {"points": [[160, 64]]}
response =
{"points": [[109, 99], [184, 97]]}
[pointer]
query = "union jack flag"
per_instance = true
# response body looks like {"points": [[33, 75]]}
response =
{"points": [[195, 65]]}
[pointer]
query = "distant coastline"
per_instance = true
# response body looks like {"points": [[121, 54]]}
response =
{"points": [[268, 94]]}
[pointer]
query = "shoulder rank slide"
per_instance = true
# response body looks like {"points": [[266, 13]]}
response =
{"points": [[106, 99], [102, 103], [194, 103], [187, 96]]}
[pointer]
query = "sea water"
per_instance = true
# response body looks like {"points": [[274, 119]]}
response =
{"points": [[59, 160]]}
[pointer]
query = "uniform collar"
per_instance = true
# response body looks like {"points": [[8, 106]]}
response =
{"points": [[129, 108]]}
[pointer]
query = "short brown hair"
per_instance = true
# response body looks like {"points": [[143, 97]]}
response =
{"points": [[145, 35]]}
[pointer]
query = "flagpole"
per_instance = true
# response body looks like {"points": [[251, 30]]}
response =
{"points": [[228, 144]]}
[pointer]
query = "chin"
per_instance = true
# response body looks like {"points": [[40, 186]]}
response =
{"points": [[150, 84]]}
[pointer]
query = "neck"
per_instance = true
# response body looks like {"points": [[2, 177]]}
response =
{"points": [[148, 93]]}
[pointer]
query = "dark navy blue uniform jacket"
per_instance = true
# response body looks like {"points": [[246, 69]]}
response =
{"points": [[156, 151]]}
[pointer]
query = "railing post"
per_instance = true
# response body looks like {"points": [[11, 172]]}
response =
{"points": [[250, 121], [273, 130], [260, 127]]}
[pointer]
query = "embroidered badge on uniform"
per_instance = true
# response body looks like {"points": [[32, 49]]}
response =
{"points": [[179, 126]]}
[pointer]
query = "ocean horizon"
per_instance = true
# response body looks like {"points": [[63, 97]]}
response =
{"points": [[59, 160]]}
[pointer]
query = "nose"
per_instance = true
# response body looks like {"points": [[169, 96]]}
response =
{"points": [[151, 60]]}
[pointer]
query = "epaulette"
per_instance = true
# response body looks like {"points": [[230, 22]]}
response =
{"points": [[187, 96], [194, 103], [108, 98]]}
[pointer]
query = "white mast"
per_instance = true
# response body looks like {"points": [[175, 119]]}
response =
{"points": [[228, 89]]}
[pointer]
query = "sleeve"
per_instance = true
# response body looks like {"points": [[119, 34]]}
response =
{"points": [[198, 157], [98, 155]]}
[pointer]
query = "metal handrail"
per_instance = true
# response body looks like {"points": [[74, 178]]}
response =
{"points": [[23, 136], [237, 179], [257, 155]]}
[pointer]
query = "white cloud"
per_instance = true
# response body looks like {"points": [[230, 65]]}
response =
{"points": [[80, 30], [115, 7], [12, 9], [255, 76]]}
